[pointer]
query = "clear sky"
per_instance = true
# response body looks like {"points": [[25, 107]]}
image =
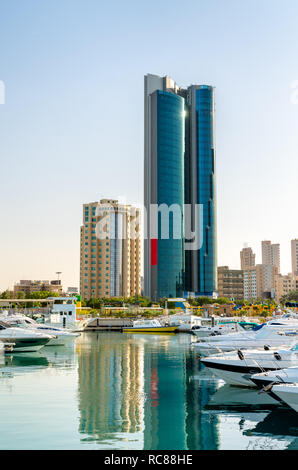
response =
{"points": [[71, 129]]}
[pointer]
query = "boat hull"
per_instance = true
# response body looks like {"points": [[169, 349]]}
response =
{"points": [[61, 340], [26, 344], [287, 375], [287, 394], [162, 329], [237, 374]]}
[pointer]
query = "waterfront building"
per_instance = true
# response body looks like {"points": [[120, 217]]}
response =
{"points": [[110, 261], [247, 258], [294, 256], [271, 254], [230, 282], [29, 287], [179, 169]]}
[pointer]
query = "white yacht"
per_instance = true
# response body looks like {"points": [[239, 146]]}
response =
{"points": [[5, 347], [271, 335], [149, 326], [227, 397], [223, 327], [23, 339], [287, 393], [237, 368], [264, 380], [185, 323], [60, 336]]}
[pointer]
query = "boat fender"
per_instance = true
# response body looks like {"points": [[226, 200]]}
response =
{"points": [[240, 355], [267, 388], [277, 356]]}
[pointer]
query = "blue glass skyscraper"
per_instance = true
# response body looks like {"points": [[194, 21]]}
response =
{"points": [[200, 188], [164, 187], [179, 169]]}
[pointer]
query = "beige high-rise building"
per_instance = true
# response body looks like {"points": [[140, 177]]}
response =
{"points": [[294, 256], [259, 282], [247, 258], [230, 282], [271, 254], [283, 285], [250, 284], [110, 262]]}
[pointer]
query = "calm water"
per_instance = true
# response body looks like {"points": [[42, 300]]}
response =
{"points": [[120, 391]]}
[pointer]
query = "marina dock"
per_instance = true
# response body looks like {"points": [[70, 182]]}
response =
{"points": [[106, 324]]}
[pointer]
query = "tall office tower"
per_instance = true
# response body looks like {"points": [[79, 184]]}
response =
{"points": [[200, 185], [271, 254], [163, 184], [179, 169], [294, 256], [110, 250], [247, 258]]}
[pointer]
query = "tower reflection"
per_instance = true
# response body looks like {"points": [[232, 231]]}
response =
{"points": [[110, 386], [140, 389]]}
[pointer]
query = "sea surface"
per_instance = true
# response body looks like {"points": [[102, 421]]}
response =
{"points": [[132, 391]]}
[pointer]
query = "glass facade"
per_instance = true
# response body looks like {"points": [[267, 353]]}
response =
{"points": [[170, 190], [116, 223], [179, 168], [206, 188]]}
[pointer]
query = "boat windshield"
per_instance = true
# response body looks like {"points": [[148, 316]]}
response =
{"points": [[250, 326], [146, 323], [258, 327], [3, 325]]}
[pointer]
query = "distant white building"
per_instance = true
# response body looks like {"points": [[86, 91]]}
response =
{"points": [[72, 291]]}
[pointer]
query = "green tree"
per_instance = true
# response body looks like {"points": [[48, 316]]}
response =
{"points": [[20, 295], [290, 297]]}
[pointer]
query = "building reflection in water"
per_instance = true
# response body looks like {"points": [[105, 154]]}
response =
{"points": [[142, 385], [111, 382]]}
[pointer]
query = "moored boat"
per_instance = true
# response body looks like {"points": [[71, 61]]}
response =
{"points": [[264, 380], [60, 336], [237, 368], [149, 326], [287, 393], [24, 340]]}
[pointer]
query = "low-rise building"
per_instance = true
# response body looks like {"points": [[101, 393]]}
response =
{"points": [[28, 286], [226, 310]]}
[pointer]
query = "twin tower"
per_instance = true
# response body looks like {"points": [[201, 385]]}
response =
{"points": [[180, 245]]}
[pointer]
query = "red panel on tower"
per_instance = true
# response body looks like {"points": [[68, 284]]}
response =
{"points": [[153, 251]]}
